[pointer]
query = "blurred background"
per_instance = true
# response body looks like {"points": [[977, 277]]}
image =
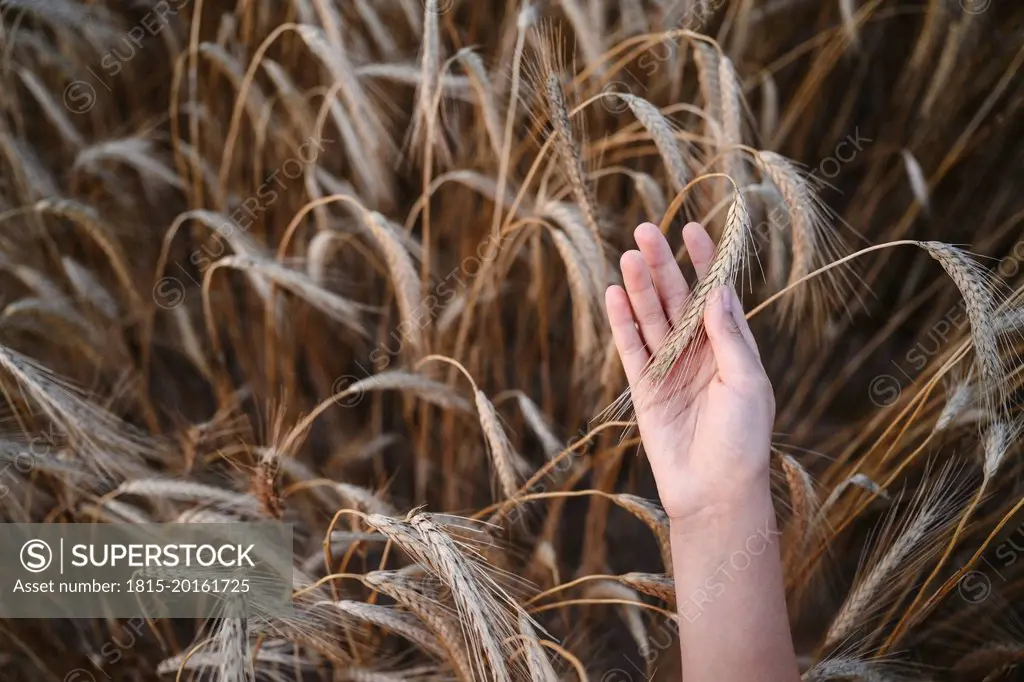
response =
{"points": [[280, 260]]}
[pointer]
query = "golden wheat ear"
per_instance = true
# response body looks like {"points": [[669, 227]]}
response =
{"points": [[490, 616], [487, 96], [844, 668], [663, 133], [426, 115], [990, 661], [983, 296], [807, 223], [586, 308], [232, 641], [104, 444], [363, 130], [687, 333], [537, 659], [390, 619], [960, 401], [545, 78], [804, 504], [632, 616], [263, 661], [910, 537], [675, 362], [431, 610]]}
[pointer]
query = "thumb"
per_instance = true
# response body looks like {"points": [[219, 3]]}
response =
{"points": [[737, 362]]}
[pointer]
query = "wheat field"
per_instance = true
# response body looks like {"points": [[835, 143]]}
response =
{"points": [[340, 264]]}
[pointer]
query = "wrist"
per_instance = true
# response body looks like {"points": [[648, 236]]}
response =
{"points": [[743, 502]]}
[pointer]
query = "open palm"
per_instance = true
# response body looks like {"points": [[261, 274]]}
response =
{"points": [[709, 424]]}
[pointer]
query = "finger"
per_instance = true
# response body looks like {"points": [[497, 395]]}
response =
{"points": [[627, 338], [668, 278], [700, 246], [738, 364], [741, 322], [643, 298]]}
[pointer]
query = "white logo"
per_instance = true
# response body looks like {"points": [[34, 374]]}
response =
{"points": [[36, 556]]}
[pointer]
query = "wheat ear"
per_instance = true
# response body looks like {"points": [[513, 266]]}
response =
{"points": [[389, 619], [688, 329], [403, 273], [430, 79], [707, 59], [978, 292], [574, 225], [654, 517], [732, 122], [536, 658], [103, 442], [654, 585], [814, 239], [652, 197], [485, 94], [476, 595], [847, 669], [633, 617], [918, 183], [433, 614], [584, 324], [551, 444], [990, 658], [566, 147], [504, 457], [235, 664], [664, 136], [913, 544], [804, 502]]}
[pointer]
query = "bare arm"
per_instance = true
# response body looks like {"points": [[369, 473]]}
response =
{"points": [[733, 624], [707, 433]]}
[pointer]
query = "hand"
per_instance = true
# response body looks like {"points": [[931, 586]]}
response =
{"points": [[707, 429]]}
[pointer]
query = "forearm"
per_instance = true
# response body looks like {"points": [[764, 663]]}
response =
{"points": [[733, 624]]}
